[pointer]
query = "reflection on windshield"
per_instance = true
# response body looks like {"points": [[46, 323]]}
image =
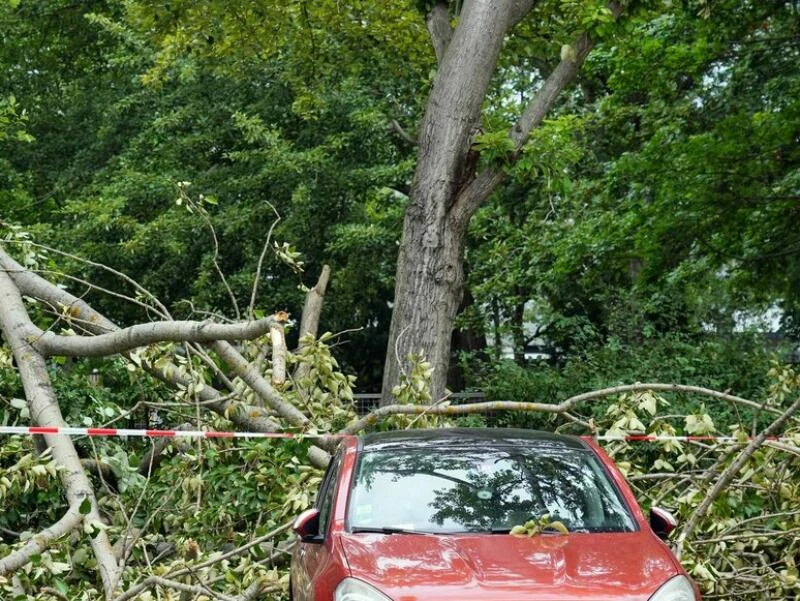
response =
{"points": [[484, 489]]}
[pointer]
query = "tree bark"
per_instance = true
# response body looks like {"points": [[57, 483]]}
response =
{"points": [[430, 274], [447, 189], [39, 542], [309, 323], [312, 309]]}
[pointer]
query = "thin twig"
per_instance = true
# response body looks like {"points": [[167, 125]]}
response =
{"points": [[257, 277]]}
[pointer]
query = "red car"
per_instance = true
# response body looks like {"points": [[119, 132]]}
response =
{"points": [[426, 515]]}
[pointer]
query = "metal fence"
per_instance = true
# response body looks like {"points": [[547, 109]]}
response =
{"points": [[369, 401]]}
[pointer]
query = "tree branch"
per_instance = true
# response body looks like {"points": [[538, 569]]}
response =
{"points": [[558, 408], [409, 409], [191, 589], [260, 386], [264, 249], [148, 582], [244, 417], [398, 129], [279, 351], [152, 458], [41, 541], [259, 587], [520, 9], [729, 473], [438, 23], [485, 182], [44, 409], [247, 418], [312, 309], [571, 60], [121, 341], [157, 306], [658, 387]]}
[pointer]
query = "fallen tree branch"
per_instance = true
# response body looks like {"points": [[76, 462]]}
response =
{"points": [[157, 306], [192, 589], [260, 264], [410, 409], [238, 551], [127, 339], [41, 541], [558, 408], [51, 591], [278, 340], [309, 321], [152, 458], [258, 588], [152, 580], [729, 473], [312, 308], [244, 417], [782, 446], [45, 411], [658, 387], [249, 374], [102, 470]]}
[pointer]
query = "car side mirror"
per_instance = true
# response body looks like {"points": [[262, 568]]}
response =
{"points": [[306, 526], [662, 522]]}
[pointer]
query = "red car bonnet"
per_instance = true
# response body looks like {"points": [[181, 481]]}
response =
{"points": [[625, 566]]}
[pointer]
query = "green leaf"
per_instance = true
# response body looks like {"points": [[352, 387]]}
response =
{"points": [[61, 586]]}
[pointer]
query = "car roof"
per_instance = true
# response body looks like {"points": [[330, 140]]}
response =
{"points": [[468, 437]]}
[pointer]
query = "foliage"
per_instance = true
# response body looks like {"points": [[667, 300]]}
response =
{"points": [[12, 121], [202, 499], [641, 228], [748, 531], [663, 186], [413, 386], [280, 137], [740, 364], [534, 527]]}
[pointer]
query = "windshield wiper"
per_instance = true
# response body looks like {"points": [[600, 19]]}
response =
{"points": [[385, 530]]}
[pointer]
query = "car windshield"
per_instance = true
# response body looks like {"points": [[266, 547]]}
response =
{"points": [[488, 489]]}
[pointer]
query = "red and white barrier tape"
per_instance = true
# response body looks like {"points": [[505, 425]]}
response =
{"points": [[123, 432], [120, 432]]}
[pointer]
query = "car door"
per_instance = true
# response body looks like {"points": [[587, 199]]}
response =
{"points": [[312, 557]]}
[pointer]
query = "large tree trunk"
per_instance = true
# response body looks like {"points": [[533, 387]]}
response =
{"points": [[18, 330], [429, 269], [447, 187], [427, 294]]}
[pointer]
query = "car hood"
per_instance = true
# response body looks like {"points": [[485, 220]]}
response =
{"points": [[596, 567]]}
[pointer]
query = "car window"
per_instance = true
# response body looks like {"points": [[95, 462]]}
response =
{"points": [[327, 491], [486, 489]]}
